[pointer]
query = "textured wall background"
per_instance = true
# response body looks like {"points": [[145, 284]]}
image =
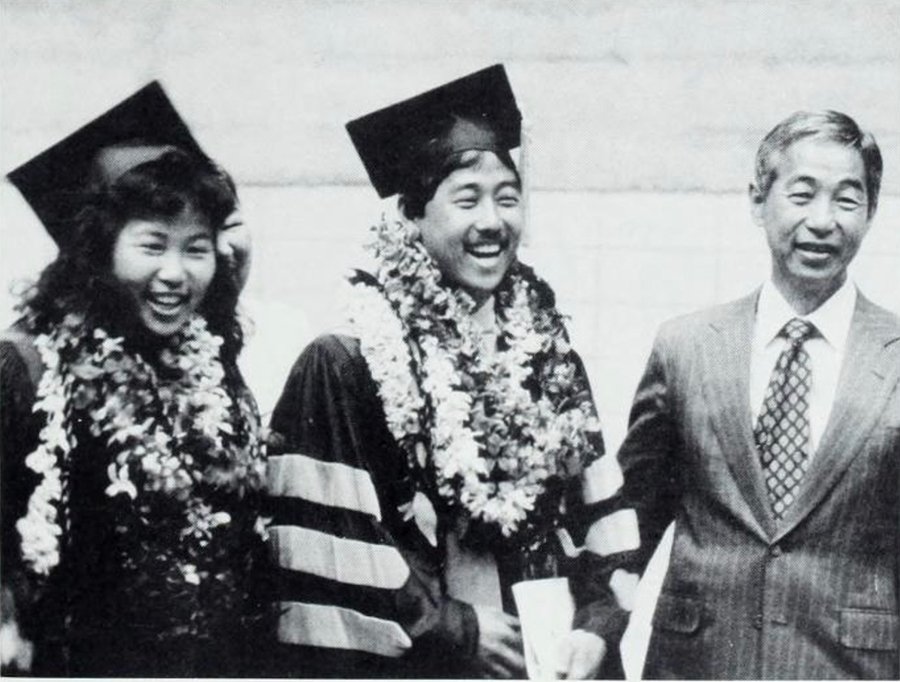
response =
{"points": [[645, 116]]}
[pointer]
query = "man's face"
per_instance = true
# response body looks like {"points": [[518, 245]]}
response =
{"points": [[472, 225], [815, 215]]}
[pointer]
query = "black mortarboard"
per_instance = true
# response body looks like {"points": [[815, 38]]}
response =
{"points": [[389, 140], [135, 131]]}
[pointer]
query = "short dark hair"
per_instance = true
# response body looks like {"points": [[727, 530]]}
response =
{"points": [[829, 125], [80, 279], [428, 166]]}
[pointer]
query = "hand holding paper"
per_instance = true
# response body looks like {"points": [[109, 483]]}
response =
{"points": [[546, 610], [580, 655]]}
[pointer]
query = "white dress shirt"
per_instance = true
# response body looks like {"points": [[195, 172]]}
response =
{"points": [[826, 350]]}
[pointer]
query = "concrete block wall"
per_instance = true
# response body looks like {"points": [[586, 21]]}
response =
{"points": [[644, 118]]}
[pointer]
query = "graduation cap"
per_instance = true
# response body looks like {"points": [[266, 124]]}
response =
{"points": [[138, 130], [484, 116]]}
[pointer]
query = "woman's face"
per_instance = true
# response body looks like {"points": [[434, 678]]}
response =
{"points": [[166, 266], [472, 225]]}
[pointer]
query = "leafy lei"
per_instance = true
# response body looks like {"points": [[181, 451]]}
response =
{"points": [[183, 454], [492, 434]]}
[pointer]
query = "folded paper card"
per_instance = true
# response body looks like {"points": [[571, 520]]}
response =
{"points": [[545, 610]]}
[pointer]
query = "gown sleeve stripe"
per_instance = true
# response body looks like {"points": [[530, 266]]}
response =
{"points": [[292, 511], [343, 560], [331, 484], [359, 591], [335, 627], [602, 480], [616, 532], [306, 587]]}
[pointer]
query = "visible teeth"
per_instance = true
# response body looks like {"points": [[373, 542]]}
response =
{"points": [[168, 301], [485, 249]]}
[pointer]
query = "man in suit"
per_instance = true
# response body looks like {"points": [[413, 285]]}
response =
{"points": [[769, 430]]}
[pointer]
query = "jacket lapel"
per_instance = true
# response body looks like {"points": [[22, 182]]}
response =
{"points": [[728, 371], [870, 370]]}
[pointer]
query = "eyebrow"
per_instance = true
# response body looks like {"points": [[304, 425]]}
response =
{"points": [[469, 186], [803, 178], [855, 184], [515, 184], [150, 231], [848, 182], [156, 232]]}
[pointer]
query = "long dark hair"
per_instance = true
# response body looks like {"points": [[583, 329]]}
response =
{"points": [[80, 279]]}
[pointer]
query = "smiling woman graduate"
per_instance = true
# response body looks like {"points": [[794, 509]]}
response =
{"points": [[432, 454], [130, 449]]}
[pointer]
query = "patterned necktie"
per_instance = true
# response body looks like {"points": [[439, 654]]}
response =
{"points": [[782, 431]]}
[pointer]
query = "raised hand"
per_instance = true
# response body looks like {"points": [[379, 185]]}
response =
{"points": [[235, 245]]}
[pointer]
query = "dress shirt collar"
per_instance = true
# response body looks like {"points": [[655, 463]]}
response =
{"points": [[832, 318]]}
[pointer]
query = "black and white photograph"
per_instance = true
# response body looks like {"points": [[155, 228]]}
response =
{"points": [[505, 339]]}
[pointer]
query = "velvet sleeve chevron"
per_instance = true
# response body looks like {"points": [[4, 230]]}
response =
{"points": [[641, 484], [604, 575], [359, 588]]}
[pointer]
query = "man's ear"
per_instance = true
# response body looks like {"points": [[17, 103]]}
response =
{"points": [[757, 199]]}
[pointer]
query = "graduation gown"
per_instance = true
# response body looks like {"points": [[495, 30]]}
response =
{"points": [[361, 592], [89, 617]]}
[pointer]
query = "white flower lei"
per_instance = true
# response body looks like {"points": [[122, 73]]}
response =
{"points": [[119, 393], [493, 445]]}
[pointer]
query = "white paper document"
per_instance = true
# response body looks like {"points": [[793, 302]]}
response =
{"points": [[545, 610]]}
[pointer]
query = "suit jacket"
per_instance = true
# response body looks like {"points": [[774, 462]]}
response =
{"points": [[814, 595]]}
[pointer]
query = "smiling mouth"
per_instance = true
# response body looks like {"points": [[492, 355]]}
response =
{"points": [[167, 305], [486, 250], [818, 250]]}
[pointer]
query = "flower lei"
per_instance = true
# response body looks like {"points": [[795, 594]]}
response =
{"points": [[502, 426], [175, 437]]}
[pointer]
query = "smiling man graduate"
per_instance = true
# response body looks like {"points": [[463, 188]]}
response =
{"points": [[436, 452], [769, 430]]}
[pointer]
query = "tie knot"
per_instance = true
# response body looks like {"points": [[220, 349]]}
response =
{"points": [[797, 330]]}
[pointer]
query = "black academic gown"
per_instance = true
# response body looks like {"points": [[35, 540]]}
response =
{"points": [[361, 592], [89, 618]]}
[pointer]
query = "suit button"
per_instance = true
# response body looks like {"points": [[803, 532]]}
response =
{"points": [[758, 621], [775, 551]]}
